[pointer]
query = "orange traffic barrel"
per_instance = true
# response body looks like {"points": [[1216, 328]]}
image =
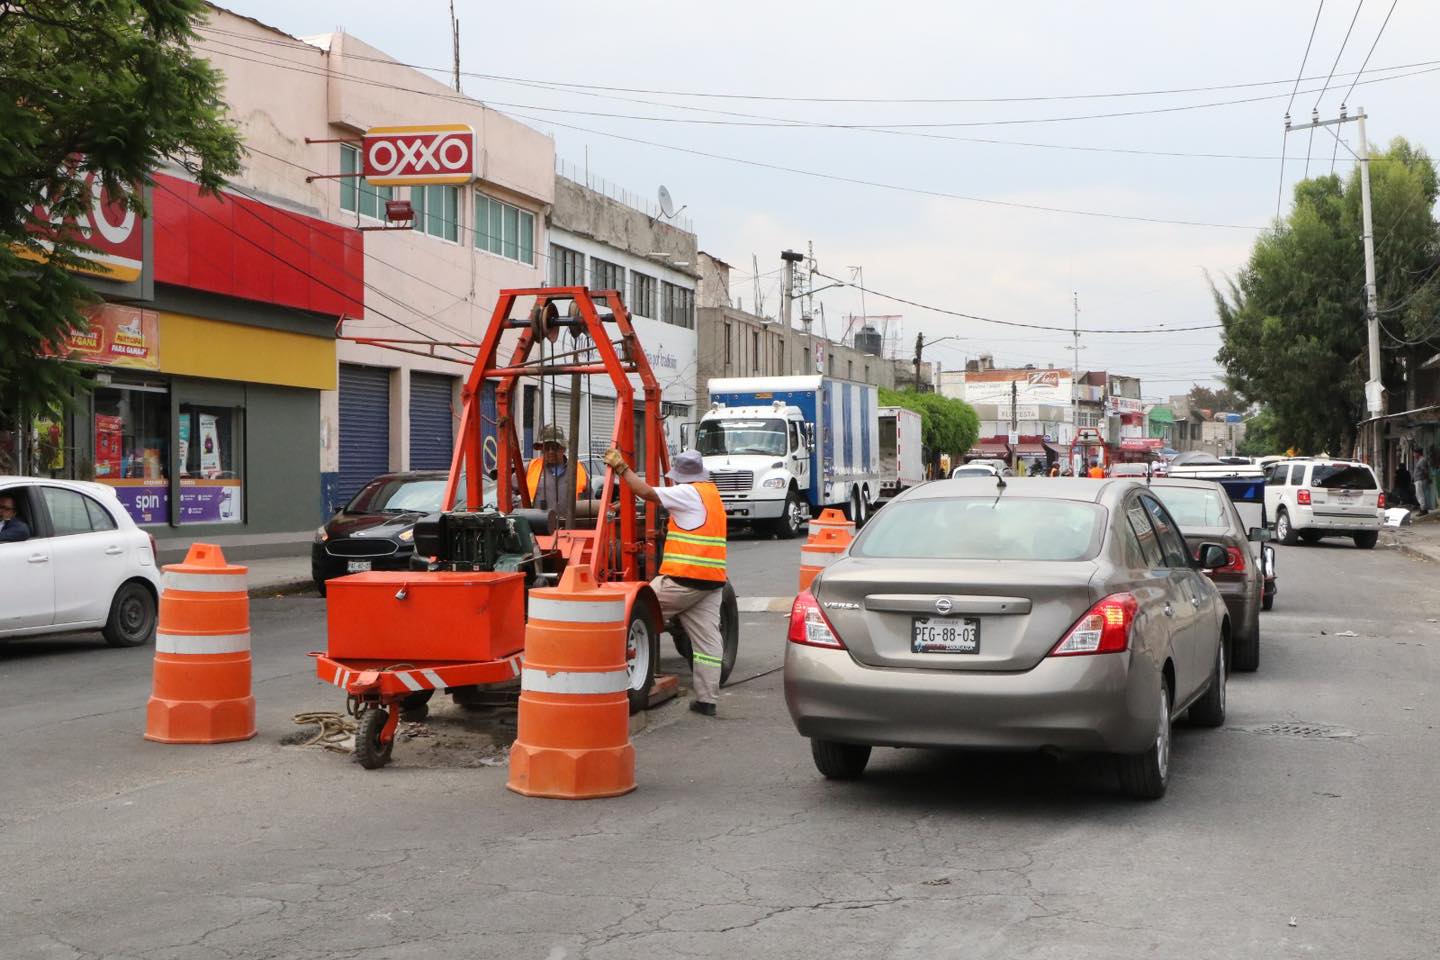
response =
{"points": [[201, 691], [831, 518], [573, 735], [821, 551]]}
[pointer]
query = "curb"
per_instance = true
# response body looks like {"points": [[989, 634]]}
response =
{"points": [[1413, 552]]}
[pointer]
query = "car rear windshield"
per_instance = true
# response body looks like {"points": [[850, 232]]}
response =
{"points": [[1342, 476], [1194, 508], [988, 528]]}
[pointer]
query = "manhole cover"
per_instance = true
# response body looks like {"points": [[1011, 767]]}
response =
{"points": [[1302, 730]]}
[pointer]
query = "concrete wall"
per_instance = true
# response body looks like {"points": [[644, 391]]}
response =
{"points": [[756, 350], [590, 214]]}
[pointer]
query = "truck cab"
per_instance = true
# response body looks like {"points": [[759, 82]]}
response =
{"points": [[759, 457]]}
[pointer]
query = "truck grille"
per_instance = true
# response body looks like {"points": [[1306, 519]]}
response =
{"points": [[733, 481]]}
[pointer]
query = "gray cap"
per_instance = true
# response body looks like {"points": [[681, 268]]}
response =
{"points": [[688, 467]]}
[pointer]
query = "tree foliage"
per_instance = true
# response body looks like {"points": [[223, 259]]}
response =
{"points": [[109, 87], [1261, 438], [1223, 399], [947, 425], [1294, 317]]}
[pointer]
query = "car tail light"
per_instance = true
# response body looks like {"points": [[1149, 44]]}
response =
{"points": [[1302, 497], [1380, 501], [154, 550], [808, 625], [1105, 628], [1237, 559]]}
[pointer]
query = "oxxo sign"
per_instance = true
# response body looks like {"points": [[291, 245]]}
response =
{"points": [[113, 233], [428, 153]]}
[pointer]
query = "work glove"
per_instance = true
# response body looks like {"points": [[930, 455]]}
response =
{"points": [[614, 459]]}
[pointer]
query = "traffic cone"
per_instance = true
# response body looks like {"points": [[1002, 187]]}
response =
{"points": [[201, 689], [831, 518], [573, 738], [821, 551]]}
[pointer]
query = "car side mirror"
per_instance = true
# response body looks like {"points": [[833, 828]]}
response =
{"points": [[1213, 556], [1259, 534]]}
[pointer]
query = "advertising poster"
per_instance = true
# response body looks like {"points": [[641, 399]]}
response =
{"points": [[184, 441], [118, 336], [202, 502], [109, 441], [147, 502], [48, 436], [209, 446]]}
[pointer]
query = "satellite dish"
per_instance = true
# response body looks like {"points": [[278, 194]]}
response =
{"points": [[667, 204]]}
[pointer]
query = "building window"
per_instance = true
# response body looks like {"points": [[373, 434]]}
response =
{"points": [[356, 194], [780, 359], [504, 230], [132, 448], [806, 368], [210, 482], [830, 364], [849, 369], [867, 373], [677, 305], [567, 267], [437, 211], [729, 348], [606, 276], [642, 295], [755, 345]]}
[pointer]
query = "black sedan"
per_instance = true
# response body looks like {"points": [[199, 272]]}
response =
{"points": [[376, 529]]}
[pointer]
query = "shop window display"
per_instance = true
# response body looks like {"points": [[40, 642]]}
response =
{"points": [[210, 481], [131, 449]]}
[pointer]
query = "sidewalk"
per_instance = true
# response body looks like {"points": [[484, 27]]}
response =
{"points": [[1420, 539], [275, 576]]}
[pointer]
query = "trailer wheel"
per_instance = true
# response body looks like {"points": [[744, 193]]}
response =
{"points": [[416, 707], [642, 652], [729, 634], [369, 751]]}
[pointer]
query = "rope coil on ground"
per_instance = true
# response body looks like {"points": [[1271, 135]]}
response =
{"points": [[334, 730]]}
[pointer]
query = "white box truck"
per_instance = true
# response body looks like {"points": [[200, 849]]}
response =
{"points": [[781, 449], [902, 455]]}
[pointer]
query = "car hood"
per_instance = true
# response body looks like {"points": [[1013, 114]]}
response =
{"points": [[370, 524]]}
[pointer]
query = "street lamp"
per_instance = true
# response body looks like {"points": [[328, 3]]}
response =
{"points": [[920, 344]]}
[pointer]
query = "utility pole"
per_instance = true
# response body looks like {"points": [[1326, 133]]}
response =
{"points": [[455, 43], [1374, 389], [1014, 419], [919, 349], [787, 295], [755, 282], [1075, 371]]}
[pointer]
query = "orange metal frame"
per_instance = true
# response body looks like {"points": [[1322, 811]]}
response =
{"points": [[610, 559]]}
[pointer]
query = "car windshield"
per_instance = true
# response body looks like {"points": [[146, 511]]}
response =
{"points": [[1342, 476], [716, 437], [983, 528], [1194, 508], [972, 472], [414, 495]]}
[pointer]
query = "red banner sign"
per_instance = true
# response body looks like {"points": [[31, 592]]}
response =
{"points": [[119, 336], [114, 233], [429, 153], [1141, 443]]}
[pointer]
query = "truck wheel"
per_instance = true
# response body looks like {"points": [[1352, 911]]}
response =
{"points": [[787, 527], [642, 652], [729, 634], [855, 509]]}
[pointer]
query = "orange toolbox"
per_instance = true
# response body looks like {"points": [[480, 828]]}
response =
{"points": [[426, 616]]}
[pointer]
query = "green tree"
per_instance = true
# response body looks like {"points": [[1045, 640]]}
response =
{"points": [[109, 87], [1261, 438], [1223, 399], [947, 425], [1294, 317]]}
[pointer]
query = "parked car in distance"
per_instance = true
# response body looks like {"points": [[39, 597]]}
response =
{"points": [[1319, 497], [1044, 615], [1131, 470], [1207, 515], [982, 468], [85, 565], [1198, 465], [376, 529]]}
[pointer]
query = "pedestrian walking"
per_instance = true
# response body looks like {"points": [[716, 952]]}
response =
{"points": [[692, 571]]}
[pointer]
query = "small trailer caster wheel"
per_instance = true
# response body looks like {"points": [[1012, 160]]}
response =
{"points": [[416, 707], [371, 753]]}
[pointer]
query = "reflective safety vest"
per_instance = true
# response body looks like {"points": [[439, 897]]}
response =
{"points": [[698, 554], [532, 477]]}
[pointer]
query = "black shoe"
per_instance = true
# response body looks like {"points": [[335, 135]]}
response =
{"points": [[708, 709]]}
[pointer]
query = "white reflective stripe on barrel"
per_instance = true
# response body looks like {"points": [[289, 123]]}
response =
{"points": [[205, 582], [815, 558], [577, 611], [195, 643], [571, 681]]}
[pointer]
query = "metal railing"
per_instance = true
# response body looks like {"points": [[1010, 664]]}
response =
{"points": [[579, 174]]}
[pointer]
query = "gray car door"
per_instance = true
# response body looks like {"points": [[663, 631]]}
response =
{"points": [[1190, 673]]}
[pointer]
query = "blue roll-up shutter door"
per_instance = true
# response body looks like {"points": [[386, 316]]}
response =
{"points": [[364, 427], [431, 422]]}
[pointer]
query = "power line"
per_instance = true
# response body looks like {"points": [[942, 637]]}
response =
{"points": [[1280, 188], [1338, 54], [300, 44], [1003, 323], [1383, 24]]}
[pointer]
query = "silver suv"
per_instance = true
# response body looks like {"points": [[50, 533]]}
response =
{"points": [[1320, 497]]}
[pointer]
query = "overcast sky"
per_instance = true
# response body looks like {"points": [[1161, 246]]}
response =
{"points": [[1004, 262]]}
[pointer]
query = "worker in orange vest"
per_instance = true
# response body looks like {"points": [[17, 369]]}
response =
{"points": [[692, 572], [1097, 472], [545, 473]]}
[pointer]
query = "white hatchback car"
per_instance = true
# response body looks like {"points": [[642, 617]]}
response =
{"points": [[84, 566], [1314, 498]]}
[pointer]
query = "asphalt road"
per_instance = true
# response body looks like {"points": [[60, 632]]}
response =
{"points": [[1304, 828]]}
